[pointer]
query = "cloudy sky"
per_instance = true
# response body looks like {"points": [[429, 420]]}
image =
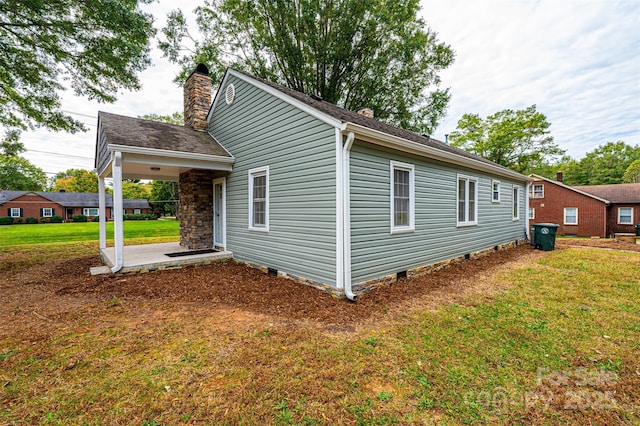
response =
{"points": [[577, 60]]}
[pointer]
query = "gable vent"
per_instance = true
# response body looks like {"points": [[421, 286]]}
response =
{"points": [[230, 94]]}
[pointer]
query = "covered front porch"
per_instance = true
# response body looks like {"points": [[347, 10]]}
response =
{"points": [[140, 149], [153, 257]]}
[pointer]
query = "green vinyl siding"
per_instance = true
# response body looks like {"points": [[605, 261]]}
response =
{"points": [[261, 130], [376, 252]]}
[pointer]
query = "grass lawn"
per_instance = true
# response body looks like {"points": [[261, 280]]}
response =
{"points": [[11, 235], [560, 344]]}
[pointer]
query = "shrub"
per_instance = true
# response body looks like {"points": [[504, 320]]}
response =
{"points": [[79, 218], [94, 218], [139, 217], [18, 220], [6, 220], [32, 220], [56, 219], [45, 220]]}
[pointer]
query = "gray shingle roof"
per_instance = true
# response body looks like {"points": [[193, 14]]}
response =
{"points": [[129, 131], [346, 115], [75, 199], [618, 193]]}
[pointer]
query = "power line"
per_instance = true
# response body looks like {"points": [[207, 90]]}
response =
{"points": [[79, 113], [57, 153]]}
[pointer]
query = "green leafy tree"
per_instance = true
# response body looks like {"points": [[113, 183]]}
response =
{"points": [[517, 139], [76, 180], [175, 118], [632, 174], [376, 54], [16, 172], [134, 190], [97, 46], [164, 196], [604, 165]]}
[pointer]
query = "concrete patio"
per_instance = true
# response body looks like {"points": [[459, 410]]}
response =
{"points": [[152, 257]]}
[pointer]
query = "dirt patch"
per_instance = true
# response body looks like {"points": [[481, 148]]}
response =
{"points": [[608, 243], [58, 288]]}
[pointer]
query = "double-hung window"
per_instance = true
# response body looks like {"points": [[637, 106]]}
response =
{"points": [[625, 215], [495, 191], [467, 205], [570, 215], [259, 199], [90, 211], [136, 211], [402, 197], [15, 212], [536, 191], [532, 213], [47, 212], [516, 203]]}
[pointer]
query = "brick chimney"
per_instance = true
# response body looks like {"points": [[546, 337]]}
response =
{"points": [[559, 177], [197, 98], [367, 112]]}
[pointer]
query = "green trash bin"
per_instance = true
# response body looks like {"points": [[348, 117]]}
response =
{"points": [[638, 229], [544, 236]]}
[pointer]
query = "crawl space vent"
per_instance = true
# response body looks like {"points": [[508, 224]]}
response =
{"points": [[230, 94]]}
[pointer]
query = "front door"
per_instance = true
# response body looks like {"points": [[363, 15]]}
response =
{"points": [[218, 212]]}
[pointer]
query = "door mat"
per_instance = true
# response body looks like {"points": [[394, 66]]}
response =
{"points": [[191, 252]]}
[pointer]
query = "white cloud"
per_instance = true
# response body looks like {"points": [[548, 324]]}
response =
{"points": [[578, 61]]}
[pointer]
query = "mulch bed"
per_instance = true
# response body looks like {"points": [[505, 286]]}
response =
{"points": [[238, 286], [598, 243]]}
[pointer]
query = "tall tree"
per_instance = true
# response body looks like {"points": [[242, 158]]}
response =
{"points": [[632, 174], [97, 46], [376, 54], [16, 172], [134, 190], [604, 165], [518, 139], [76, 180], [175, 118], [164, 196]]}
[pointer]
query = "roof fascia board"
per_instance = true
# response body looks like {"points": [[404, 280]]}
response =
{"points": [[560, 184], [171, 162], [394, 142], [280, 95], [168, 153]]}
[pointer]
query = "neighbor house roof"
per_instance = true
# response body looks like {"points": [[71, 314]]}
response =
{"points": [[571, 188], [616, 193], [347, 116], [74, 199], [122, 130]]}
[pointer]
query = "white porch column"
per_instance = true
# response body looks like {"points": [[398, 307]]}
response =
{"points": [[102, 212], [118, 232]]}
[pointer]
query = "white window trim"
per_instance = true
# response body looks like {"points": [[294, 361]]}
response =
{"points": [[533, 190], [564, 219], [515, 194], [137, 211], [625, 223], [253, 172], [85, 211], [393, 165], [15, 209], [467, 222], [495, 182], [46, 210], [532, 213]]}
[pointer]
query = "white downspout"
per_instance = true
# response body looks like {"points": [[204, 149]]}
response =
{"points": [[339, 213], [102, 213], [346, 153], [118, 232], [527, 233]]}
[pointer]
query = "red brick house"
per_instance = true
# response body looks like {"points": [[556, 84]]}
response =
{"points": [[26, 204], [598, 211]]}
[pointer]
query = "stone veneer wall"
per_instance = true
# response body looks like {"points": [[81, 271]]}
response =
{"points": [[197, 100], [196, 209]]}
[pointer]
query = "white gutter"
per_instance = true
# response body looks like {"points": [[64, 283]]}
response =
{"points": [[102, 213], [384, 139], [118, 232], [346, 224]]}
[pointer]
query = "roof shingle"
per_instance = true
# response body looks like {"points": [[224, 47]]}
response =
{"points": [[617, 193]]}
